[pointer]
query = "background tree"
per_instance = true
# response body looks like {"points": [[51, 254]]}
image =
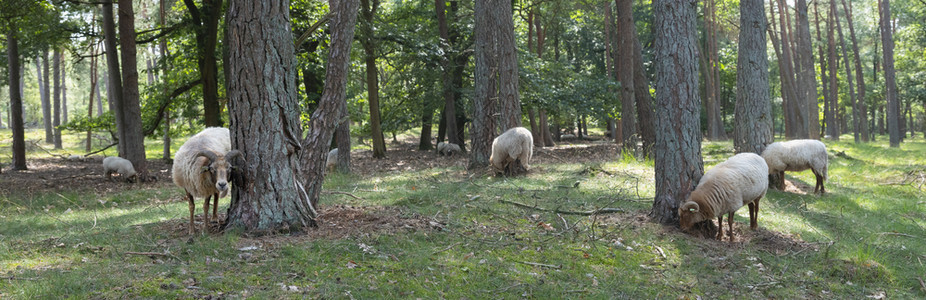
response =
{"points": [[753, 130], [368, 41], [890, 94], [56, 118], [677, 152], [205, 19], [130, 106], [484, 103], [806, 77], [625, 73], [715, 128], [856, 130]]}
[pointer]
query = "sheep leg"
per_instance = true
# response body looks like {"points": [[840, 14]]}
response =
{"points": [[215, 208], [720, 227], [781, 180], [819, 185], [206, 223], [730, 224], [192, 207], [754, 214]]}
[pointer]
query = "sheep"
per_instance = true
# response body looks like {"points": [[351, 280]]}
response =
{"points": [[119, 165], [797, 155], [332, 159], [448, 149], [513, 146], [742, 179], [201, 168]]}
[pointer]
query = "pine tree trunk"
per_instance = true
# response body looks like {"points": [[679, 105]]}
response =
{"points": [[859, 74], [753, 129], [449, 116], [56, 106], [832, 122], [805, 73], [645, 119], [64, 92], [369, 50], [114, 77], [16, 100], [887, 42], [715, 131], [508, 92], [424, 140], [131, 108], [625, 74], [484, 103], [162, 45], [93, 89], [827, 122], [545, 130], [856, 129], [342, 133], [677, 151], [45, 94], [535, 131]]}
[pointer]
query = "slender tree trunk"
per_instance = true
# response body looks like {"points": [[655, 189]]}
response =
{"points": [[677, 151], [56, 110], [206, 28], [45, 93], [805, 73], [545, 130], [134, 137], [859, 74], [625, 74], [424, 141], [753, 129], [16, 100], [535, 131], [162, 45], [484, 103], [645, 112], [715, 130], [64, 91], [93, 88], [796, 104], [450, 114], [832, 124], [856, 130], [342, 133], [827, 122], [508, 92], [887, 41], [114, 77], [368, 42]]}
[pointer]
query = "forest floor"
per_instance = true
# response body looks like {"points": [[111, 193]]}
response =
{"points": [[419, 225]]}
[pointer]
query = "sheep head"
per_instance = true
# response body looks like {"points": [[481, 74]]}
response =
{"points": [[689, 214], [217, 167]]}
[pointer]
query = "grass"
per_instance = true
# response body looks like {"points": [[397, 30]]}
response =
{"points": [[863, 238]]}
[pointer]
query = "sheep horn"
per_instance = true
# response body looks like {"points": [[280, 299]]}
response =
{"points": [[207, 154], [691, 206]]}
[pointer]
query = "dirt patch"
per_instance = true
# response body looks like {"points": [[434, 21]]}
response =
{"points": [[83, 175]]}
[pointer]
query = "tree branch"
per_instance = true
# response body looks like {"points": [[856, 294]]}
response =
{"points": [[305, 35], [600, 211], [162, 107], [164, 31]]}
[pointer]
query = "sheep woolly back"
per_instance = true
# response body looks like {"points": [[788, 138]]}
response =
{"points": [[332, 158], [119, 165], [187, 170], [448, 148], [731, 184], [796, 155], [516, 143]]}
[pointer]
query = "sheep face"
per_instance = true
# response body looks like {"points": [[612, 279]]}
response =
{"points": [[217, 167], [689, 214]]}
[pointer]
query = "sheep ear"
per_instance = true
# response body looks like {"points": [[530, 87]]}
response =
{"points": [[205, 169]]}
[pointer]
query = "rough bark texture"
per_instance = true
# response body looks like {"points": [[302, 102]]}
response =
{"points": [[44, 92], [447, 63], [862, 107], [887, 42], [753, 130], [427, 118], [131, 107], [625, 67], [508, 92], [545, 130], [677, 152], [16, 100], [206, 28], [715, 130], [368, 11], [484, 103], [832, 122], [114, 77], [806, 76], [823, 77], [56, 110], [645, 119], [535, 131], [342, 135], [849, 76]]}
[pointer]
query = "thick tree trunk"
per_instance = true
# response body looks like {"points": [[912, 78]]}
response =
{"points": [[508, 92], [449, 116], [368, 42], [131, 109], [887, 42], [849, 76], [806, 76], [677, 152], [424, 141], [56, 110], [625, 74], [114, 77], [753, 129], [45, 94], [859, 74], [16, 100], [484, 103]]}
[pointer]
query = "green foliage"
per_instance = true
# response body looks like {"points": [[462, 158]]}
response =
{"points": [[82, 123]]}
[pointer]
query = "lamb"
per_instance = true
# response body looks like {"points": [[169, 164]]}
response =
{"points": [[797, 155], [332, 159], [742, 179], [115, 164], [201, 168], [448, 149], [513, 146]]}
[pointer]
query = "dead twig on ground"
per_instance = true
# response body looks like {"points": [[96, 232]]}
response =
{"points": [[342, 193], [447, 248], [540, 265], [153, 254], [600, 211], [898, 234], [32, 279]]}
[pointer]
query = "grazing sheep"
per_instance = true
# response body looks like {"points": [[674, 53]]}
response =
{"points": [[448, 149], [797, 155], [742, 179], [119, 165], [75, 157], [332, 159], [201, 168], [513, 146]]}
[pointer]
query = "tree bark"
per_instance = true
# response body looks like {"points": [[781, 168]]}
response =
{"points": [[832, 122], [625, 74], [16, 100], [856, 130], [206, 29], [368, 41], [645, 119], [508, 92], [162, 46], [805, 73], [677, 152], [114, 77], [424, 141], [715, 130], [93, 86], [535, 131], [56, 110], [862, 107], [887, 42], [64, 91], [545, 130], [45, 94], [342, 133], [797, 124], [753, 130], [447, 63], [823, 77], [484, 103], [131, 109]]}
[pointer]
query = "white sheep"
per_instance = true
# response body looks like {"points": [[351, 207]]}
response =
{"points": [[513, 146], [332, 160], [738, 181], [448, 149], [797, 155], [115, 164], [201, 168]]}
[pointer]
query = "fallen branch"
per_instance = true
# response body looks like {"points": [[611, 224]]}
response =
{"points": [[922, 284], [153, 254], [342, 193], [600, 211], [32, 279], [898, 234], [448, 248], [540, 265]]}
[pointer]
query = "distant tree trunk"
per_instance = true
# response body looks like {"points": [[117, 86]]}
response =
{"points": [[832, 122], [64, 92], [827, 124], [796, 119], [753, 130], [535, 131], [645, 119], [45, 93], [131, 108], [859, 74], [369, 49], [887, 41], [806, 76], [93, 87], [162, 45], [342, 135], [56, 118], [508, 92], [484, 103], [677, 152], [715, 131], [449, 116], [856, 129], [625, 73], [545, 130], [16, 100], [424, 141], [114, 77], [206, 29]]}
